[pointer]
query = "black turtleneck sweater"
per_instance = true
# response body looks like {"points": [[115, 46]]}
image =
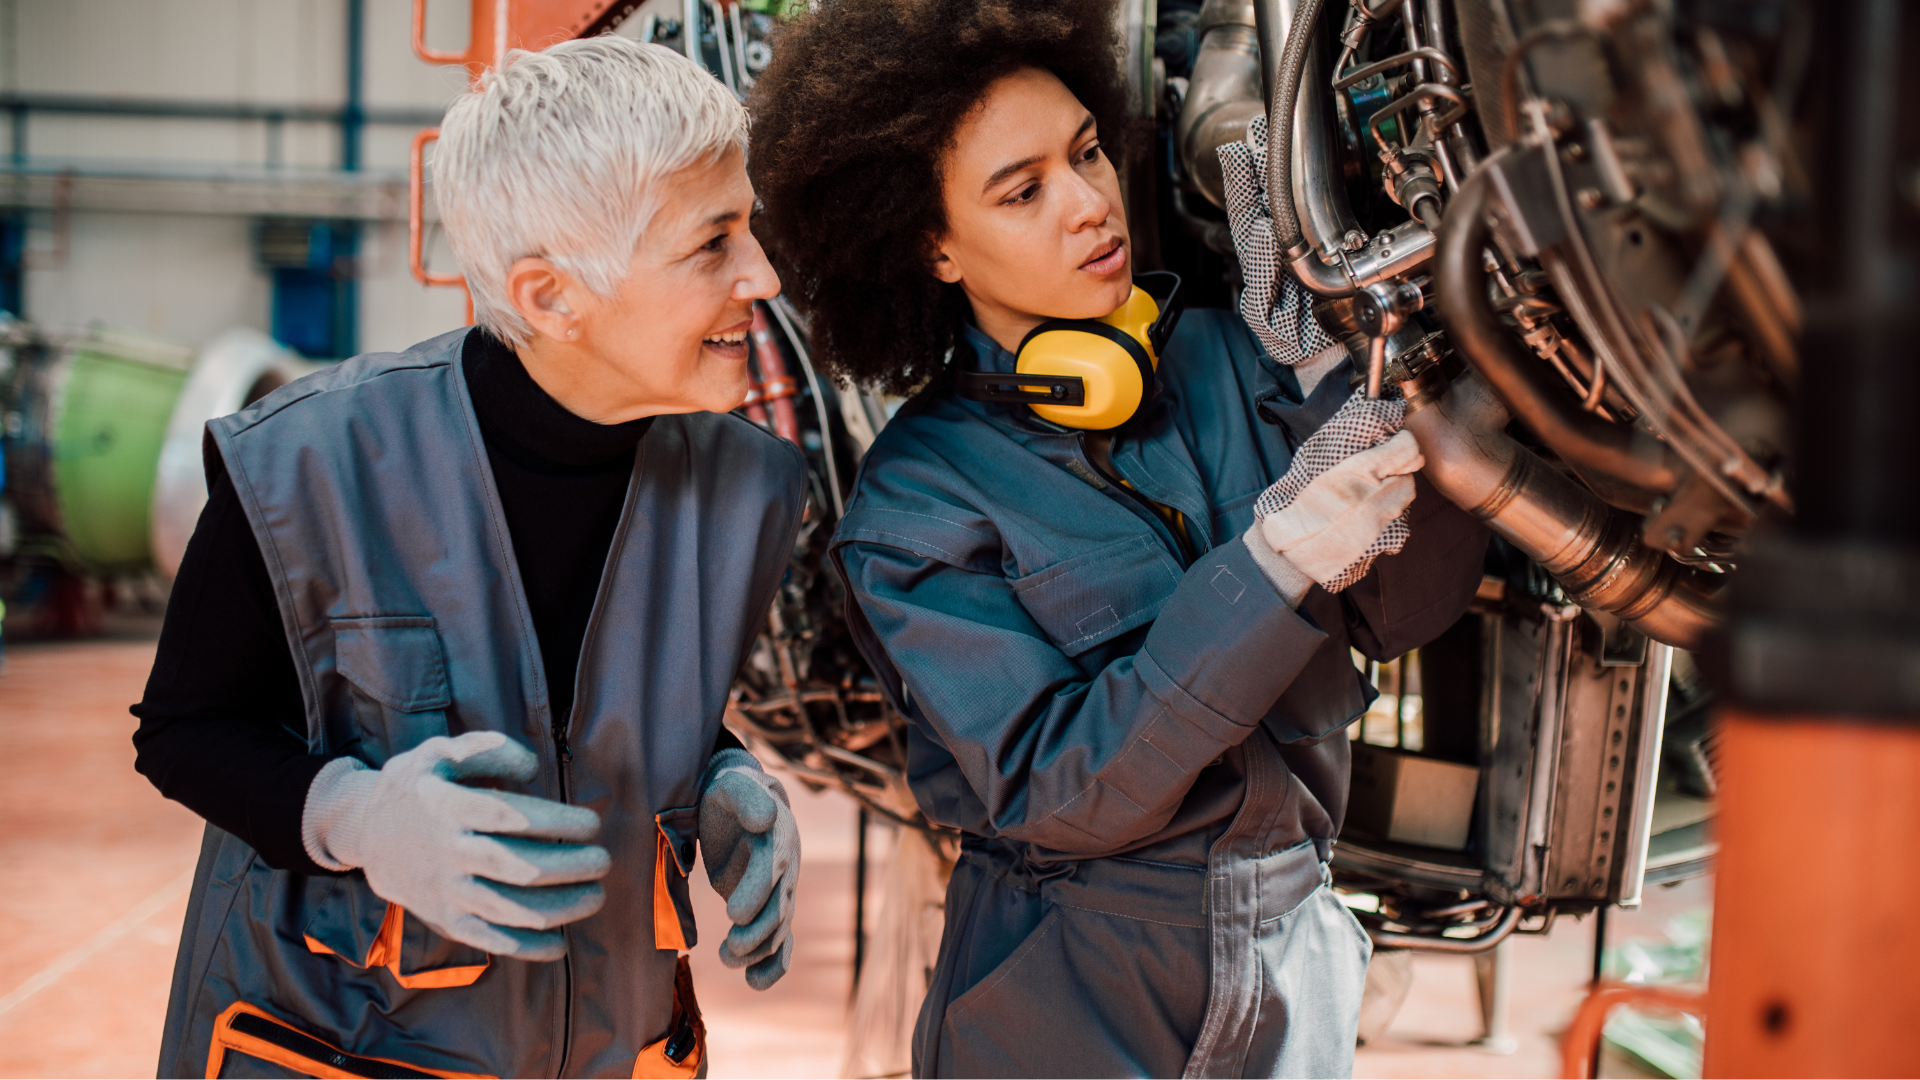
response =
{"points": [[222, 725]]}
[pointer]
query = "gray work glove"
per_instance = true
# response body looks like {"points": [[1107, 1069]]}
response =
{"points": [[1275, 307], [1343, 502], [478, 866], [751, 845]]}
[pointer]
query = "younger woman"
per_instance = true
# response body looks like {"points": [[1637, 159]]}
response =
{"points": [[1129, 696]]}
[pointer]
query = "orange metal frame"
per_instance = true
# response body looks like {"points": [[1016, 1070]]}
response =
{"points": [[495, 27], [1583, 1035]]}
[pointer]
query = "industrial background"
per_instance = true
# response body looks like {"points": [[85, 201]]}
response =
{"points": [[201, 200]]}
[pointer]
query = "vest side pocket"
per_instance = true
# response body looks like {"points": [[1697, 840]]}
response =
{"points": [[254, 1038], [683, 1053], [397, 668]]}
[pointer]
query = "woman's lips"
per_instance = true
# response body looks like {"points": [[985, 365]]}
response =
{"points": [[1108, 261]]}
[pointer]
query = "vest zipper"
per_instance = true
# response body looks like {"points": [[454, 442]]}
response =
{"points": [[563, 754]]}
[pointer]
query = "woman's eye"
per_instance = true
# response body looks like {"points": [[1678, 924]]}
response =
{"points": [[1024, 195], [715, 244], [1091, 153]]}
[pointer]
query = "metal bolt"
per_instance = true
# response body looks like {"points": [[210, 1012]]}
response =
{"points": [[1590, 198], [1354, 240]]}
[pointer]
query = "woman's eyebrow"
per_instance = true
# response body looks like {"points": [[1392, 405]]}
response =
{"points": [[1005, 171]]}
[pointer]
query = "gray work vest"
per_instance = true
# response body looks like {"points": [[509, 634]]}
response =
{"points": [[370, 495]]}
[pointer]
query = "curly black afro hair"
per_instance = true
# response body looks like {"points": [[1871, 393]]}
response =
{"points": [[850, 124]]}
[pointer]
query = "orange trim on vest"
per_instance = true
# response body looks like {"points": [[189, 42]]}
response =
{"points": [[666, 917], [385, 952], [225, 1038]]}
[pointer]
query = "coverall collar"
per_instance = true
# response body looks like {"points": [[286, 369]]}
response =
{"points": [[1147, 450]]}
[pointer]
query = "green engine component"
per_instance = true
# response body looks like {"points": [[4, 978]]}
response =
{"points": [[113, 406]]}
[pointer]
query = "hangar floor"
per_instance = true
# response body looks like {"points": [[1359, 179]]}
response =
{"points": [[94, 867]]}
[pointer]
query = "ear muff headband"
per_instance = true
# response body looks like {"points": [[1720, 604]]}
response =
{"points": [[1114, 368]]}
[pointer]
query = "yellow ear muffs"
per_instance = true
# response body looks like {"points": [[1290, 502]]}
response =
{"points": [[1093, 374], [1115, 370]]}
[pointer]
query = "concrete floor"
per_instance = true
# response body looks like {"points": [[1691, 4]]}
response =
{"points": [[93, 878]]}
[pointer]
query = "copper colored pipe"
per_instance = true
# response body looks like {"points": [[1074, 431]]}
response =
{"points": [[1514, 373], [1592, 549], [777, 387]]}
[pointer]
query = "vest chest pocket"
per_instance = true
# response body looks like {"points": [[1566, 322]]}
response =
{"points": [[397, 669], [1092, 598]]}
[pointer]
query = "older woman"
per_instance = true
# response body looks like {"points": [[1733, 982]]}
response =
{"points": [[447, 655]]}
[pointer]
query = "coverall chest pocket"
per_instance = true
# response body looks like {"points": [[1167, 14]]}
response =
{"points": [[1089, 599], [396, 668]]}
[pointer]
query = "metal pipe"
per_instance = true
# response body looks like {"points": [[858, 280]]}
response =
{"points": [[1592, 549], [1226, 91], [1516, 375], [1289, 43], [91, 105], [1397, 251], [1387, 939], [690, 31], [1223, 94], [1319, 197]]}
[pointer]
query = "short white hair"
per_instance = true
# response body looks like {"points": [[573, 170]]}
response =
{"points": [[560, 154]]}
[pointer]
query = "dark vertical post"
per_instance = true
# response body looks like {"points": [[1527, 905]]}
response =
{"points": [[353, 121], [1599, 970], [860, 898], [353, 118]]}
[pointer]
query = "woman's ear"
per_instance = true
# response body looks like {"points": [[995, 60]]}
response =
{"points": [[945, 268], [538, 291]]}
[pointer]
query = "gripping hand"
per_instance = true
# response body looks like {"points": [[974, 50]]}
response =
{"points": [[1343, 502], [1275, 307], [751, 845], [494, 869]]}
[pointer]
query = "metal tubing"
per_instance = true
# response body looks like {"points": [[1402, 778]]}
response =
{"points": [[1289, 42], [1388, 939], [1226, 91], [1392, 253], [1593, 550], [1222, 96], [1516, 375], [1319, 197]]}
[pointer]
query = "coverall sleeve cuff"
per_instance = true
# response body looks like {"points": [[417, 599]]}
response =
{"points": [[1286, 577], [336, 793], [1230, 645]]}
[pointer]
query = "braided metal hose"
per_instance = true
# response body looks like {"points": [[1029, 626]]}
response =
{"points": [[1282, 90]]}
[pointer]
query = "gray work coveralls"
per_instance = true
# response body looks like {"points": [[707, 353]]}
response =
{"points": [[370, 494], [1146, 751]]}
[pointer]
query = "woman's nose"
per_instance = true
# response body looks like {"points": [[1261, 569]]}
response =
{"points": [[1087, 205], [757, 280]]}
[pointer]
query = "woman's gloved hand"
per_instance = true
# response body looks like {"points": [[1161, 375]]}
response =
{"points": [[1275, 307], [751, 845], [1343, 502], [494, 869]]}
